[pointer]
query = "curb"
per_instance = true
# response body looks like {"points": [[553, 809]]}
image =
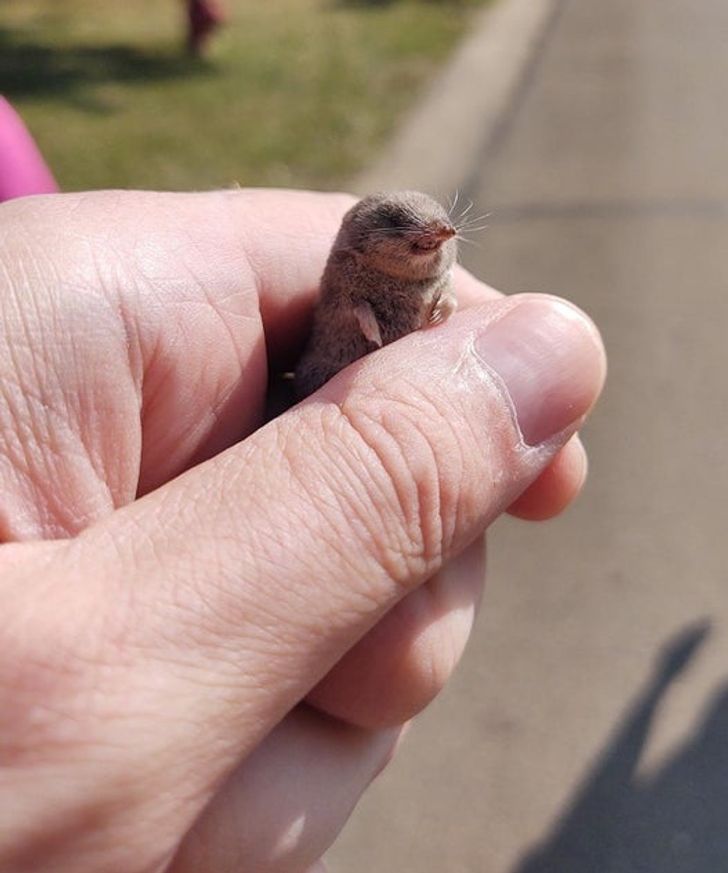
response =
{"points": [[441, 142]]}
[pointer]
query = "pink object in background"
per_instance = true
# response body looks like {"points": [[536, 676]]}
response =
{"points": [[203, 19], [22, 168]]}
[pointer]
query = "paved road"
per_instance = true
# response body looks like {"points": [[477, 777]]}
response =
{"points": [[587, 730]]}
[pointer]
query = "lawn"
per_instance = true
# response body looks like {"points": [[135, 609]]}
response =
{"points": [[294, 92]]}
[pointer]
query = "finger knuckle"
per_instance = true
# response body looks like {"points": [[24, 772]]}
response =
{"points": [[396, 468]]}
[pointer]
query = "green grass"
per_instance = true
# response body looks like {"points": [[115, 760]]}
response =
{"points": [[294, 92]]}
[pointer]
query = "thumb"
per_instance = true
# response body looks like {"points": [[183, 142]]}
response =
{"points": [[246, 579], [285, 549]]}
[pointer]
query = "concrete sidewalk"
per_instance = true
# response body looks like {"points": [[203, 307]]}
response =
{"points": [[587, 729]]}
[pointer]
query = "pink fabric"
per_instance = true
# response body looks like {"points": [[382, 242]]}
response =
{"points": [[22, 168], [204, 17]]}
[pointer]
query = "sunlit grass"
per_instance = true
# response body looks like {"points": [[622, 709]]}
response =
{"points": [[295, 92]]}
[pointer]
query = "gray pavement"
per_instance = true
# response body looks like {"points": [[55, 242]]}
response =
{"points": [[587, 729]]}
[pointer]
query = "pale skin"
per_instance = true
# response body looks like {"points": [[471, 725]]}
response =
{"points": [[159, 629]]}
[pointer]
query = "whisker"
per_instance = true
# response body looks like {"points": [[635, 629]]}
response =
{"points": [[465, 211], [476, 229], [454, 202], [482, 215], [474, 220], [470, 242]]}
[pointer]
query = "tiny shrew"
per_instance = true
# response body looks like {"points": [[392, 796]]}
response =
{"points": [[389, 273]]}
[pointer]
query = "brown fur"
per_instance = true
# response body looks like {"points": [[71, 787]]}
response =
{"points": [[388, 274]]}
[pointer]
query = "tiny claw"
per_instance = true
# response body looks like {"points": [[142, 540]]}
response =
{"points": [[441, 310]]}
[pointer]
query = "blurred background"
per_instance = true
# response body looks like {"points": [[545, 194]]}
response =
{"points": [[280, 92], [587, 728]]}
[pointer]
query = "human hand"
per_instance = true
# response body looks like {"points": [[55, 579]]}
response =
{"points": [[155, 648]]}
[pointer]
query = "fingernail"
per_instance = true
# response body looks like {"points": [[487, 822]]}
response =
{"points": [[551, 362]]}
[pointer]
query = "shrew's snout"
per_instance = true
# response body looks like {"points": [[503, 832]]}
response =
{"points": [[433, 235]]}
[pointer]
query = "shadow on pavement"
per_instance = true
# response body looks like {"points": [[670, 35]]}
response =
{"points": [[675, 821], [30, 67]]}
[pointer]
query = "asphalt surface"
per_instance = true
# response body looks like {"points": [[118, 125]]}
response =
{"points": [[587, 728]]}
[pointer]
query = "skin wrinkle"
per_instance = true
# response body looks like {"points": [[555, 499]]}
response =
{"points": [[215, 620], [104, 479], [82, 432], [252, 317], [337, 498], [247, 245], [58, 446], [427, 483], [348, 504], [401, 553], [15, 449], [271, 546], [18, 457], [265, 636], [131, 649], [131, 342], [165, 384], [218, 671], [466, 431], [330, 539], [420, 493], [236, 606], [410, 553], [324, 539], [122, 487], [194, 750], [226, 603], [198, 433], [510, 440], [353, 501], [154, 357], [16, 369], [243, 289], [195, 432]]}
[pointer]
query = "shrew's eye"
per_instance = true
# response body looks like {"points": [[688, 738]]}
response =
{"points": [[392, 220]]}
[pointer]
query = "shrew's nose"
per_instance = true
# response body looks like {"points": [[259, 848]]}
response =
{"points": [[437, 232]]}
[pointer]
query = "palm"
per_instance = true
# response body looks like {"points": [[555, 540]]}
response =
{"points": [[166, 364]]}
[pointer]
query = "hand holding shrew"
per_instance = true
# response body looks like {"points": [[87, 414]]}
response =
{"points": [[159, 648]]}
